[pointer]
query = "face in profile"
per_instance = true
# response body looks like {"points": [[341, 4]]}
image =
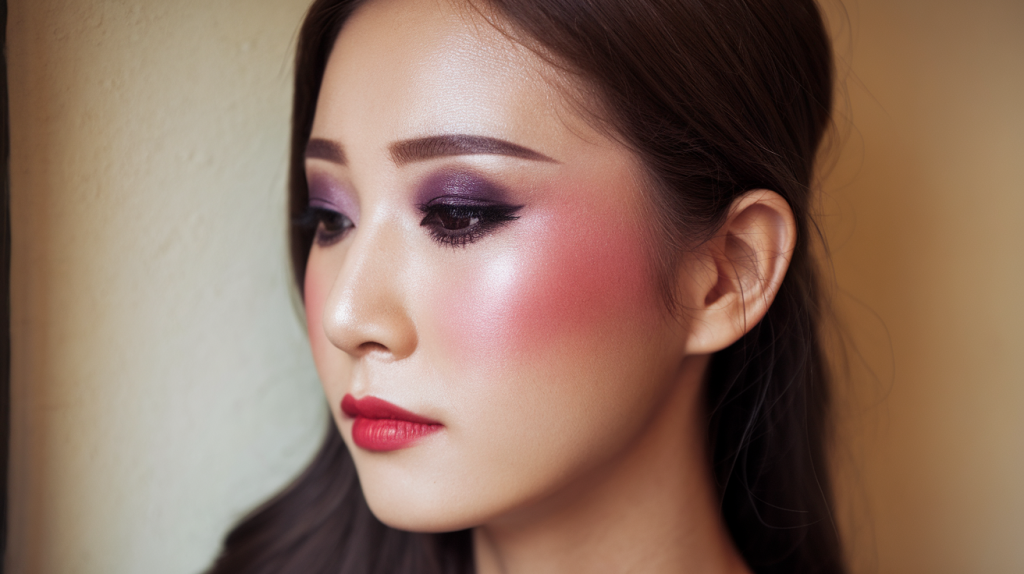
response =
{"points": [[539, 244], [481, 298]]}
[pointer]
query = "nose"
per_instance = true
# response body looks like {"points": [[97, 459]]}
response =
{"points": [[366, 310]]}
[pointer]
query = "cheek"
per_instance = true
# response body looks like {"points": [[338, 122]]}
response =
{"points": [[314, 296], [316, 288], [568, 281]]}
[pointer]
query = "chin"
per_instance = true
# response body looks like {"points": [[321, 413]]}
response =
{"points": [[419, 489], [423, 510], [428, 521]]}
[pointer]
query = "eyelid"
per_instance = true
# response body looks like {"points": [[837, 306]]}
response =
{"points": [[460, 201], [320, 203], [327, 192], [460, 184]]}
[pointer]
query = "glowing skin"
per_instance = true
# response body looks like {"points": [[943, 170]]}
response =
{"points": [[568, 396]]}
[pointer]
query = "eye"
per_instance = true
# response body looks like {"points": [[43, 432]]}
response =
{"points": [[330, 226], [457, 218], [455, 222]]}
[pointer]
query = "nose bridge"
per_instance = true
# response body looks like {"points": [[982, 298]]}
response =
{"points": [[365, 310]]}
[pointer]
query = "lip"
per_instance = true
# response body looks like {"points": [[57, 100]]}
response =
{"points": [[380, 426]]}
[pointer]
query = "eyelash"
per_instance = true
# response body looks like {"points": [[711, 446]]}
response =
{"points": [[459, 224], [329, 226], [440, 218]]}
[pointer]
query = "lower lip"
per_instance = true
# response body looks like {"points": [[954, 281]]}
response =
{"points": [[380, 426], [382, 435]]}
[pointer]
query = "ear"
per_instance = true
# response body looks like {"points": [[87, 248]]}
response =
{"points": [[740, 271]]}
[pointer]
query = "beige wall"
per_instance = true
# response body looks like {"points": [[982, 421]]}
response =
{"points": [[161, 383], [925, 217]]}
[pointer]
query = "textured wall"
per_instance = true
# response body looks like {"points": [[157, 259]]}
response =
{"points": [[161, 381], [925, 210]]}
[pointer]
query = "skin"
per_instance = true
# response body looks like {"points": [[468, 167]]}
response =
{"points": [[570, 395]]}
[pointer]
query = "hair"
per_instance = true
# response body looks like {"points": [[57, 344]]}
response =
{"points": [[715, 98]]}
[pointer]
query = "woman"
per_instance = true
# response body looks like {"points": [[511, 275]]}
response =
{"points": [[555, 264]]}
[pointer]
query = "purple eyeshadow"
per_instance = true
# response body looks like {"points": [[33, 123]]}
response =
{"points": [[462, 185], [327, 193]]}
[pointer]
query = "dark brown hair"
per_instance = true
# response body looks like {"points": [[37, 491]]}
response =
{"points": [[715, 97]]}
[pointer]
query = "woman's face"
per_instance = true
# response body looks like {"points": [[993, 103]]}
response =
{"points": [[482, 264]]}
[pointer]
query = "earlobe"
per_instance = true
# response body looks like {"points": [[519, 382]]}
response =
{"points": [[745, 263]]}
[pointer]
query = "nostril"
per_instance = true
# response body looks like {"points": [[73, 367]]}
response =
{"points": [[371, 346]]}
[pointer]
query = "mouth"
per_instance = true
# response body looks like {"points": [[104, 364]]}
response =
{"points": [[380, 426]]}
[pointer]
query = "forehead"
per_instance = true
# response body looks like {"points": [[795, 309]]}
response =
{"points": [[409, 68]]}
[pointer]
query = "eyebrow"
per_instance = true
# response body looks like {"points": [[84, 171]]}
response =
{"points": [[420, 149], [331, 151]]}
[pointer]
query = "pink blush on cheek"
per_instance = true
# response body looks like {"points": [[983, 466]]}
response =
{"points": [[570, 277]]}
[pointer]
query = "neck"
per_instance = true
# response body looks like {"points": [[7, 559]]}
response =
{"points": [[652, 509]]}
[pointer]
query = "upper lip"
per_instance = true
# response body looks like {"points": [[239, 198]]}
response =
{"points": [[373, 408]]}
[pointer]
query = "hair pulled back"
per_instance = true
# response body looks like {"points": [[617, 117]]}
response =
{"points": [[716, 98]]}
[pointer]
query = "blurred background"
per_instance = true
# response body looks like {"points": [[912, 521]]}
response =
{"points": [[161, 380], [923, 211], [161, 384]]}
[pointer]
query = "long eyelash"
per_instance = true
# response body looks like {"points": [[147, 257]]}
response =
{"points": [[313, 220], [491, 217], [308, 220]]}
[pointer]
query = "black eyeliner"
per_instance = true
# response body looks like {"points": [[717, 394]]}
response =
{"points": [[460, 207]]}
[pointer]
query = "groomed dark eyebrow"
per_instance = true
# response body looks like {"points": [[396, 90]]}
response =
{"points": [[420, 149], [327, 150]]}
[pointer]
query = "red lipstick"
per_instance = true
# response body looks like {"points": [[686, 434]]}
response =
{"points": [[381, 426]]}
